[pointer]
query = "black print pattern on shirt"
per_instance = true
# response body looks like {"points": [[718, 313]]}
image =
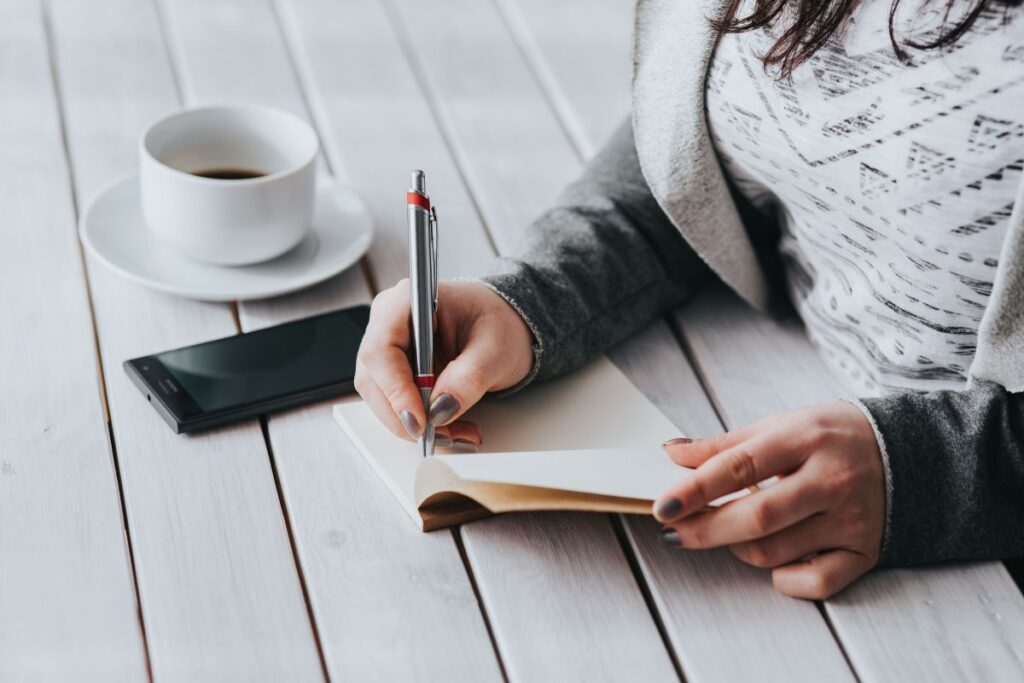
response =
{"points": [[894, 185]]}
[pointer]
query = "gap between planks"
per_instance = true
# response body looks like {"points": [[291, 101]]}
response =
{"points": [[584, 148], [456, 532], [511, 16], [303, 85], [48, 36], [401, 30], [175, 61], [619, 528], [58, 96], [265, 430]]}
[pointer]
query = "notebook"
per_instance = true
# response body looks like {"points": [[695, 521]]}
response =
{"points": [[587, 441]]}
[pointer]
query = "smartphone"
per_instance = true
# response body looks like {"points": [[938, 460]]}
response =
{"points": [[227, 380]]}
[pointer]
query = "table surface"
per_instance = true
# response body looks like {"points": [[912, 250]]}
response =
{"points": [[269, 551]]}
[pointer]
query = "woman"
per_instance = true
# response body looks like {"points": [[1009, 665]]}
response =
{"points": [[868, 157]]}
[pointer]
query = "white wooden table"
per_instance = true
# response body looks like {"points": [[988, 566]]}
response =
{"points": [[269, 551]]}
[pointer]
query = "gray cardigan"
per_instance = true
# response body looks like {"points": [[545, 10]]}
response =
{"points": [[652, 220]]}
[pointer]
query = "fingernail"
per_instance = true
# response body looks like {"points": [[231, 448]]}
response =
{"points": [[442, 442], [671, 539], [464, 446], [677, 441], [667, 509], [443, 409], [411, 424]]}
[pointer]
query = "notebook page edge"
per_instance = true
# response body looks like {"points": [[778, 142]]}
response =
{"points": [[339, 411]]}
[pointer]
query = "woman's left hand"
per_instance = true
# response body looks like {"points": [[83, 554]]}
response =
{"points": [[818, 528]]}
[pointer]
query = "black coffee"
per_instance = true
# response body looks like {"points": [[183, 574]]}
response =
{"points": [[230, 173]]}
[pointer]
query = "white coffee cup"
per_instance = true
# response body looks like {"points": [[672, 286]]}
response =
{"points": [[228, 222]]}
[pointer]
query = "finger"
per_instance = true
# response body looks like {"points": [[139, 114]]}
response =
{"points": [[739, 466], [389, 367], [384, 352], [462, 431], [821, 576], [683, 453], [380, 405], [462, 383], [694, 452], [817, 533], [760, 514]]}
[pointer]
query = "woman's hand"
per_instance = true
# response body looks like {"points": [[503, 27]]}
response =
{"points": [[818, 528], [481, 345]]}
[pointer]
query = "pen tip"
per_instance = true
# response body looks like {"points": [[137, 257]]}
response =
{"points": [[419, 181]]}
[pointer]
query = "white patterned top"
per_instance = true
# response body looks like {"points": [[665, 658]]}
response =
{"points": [[893, 184]]}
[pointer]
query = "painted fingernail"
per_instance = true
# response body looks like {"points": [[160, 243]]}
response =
{"points": [[679, 440], [411, 424], [667, 509], [442, 442], [671, 539], [443, 409]]}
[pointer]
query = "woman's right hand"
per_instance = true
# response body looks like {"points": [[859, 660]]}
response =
{"points": [[481, 344]]}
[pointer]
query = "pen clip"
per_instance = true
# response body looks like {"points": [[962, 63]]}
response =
{"points": [[433, 257]]}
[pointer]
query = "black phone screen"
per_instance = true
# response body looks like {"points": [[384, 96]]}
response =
{"points": [[257, 368]]}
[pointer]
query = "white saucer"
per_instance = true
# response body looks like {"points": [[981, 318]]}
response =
{"points": [[113, 231]]}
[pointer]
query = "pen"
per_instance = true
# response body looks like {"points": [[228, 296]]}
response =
{"points": [[423, 294]]}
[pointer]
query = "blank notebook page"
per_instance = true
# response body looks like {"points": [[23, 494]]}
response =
{"points": [[596, 407]]}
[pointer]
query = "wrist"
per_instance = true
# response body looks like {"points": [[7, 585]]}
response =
{"points": [[525, 340], [887, 470]]}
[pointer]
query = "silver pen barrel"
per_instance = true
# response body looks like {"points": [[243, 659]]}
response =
{"points": [[421, 278]]}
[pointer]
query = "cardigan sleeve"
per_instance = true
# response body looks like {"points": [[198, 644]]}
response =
{"points": [[605, 261], [599, 265], [956, 474]]}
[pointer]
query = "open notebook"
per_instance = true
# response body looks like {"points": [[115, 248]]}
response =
{"points": [[587, 441]]}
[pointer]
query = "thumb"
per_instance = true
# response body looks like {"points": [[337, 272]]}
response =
{"points": [[461, 384]]}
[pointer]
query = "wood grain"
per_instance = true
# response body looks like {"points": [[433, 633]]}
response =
{"points": [[220, 594], [754, 366], [521, 152], [591, 41], [962, 622], [376, 128], [562, 601], [544, 596], [374, 582], [949, 622], [66, 584]]}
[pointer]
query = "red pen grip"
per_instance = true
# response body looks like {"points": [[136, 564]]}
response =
{"points": [[417, 199], [425, 381]]}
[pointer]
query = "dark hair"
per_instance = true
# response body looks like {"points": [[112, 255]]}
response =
{"points": [[810, 23]]}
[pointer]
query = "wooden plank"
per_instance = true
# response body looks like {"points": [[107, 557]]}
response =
{"points": [[521, 151], [376, 126], [66, 583], [754, 367], [355, 104], [562, 601], [374, 582], [962, 621], [217, 579], [554, 36], [730, 598], [949, 622]]}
